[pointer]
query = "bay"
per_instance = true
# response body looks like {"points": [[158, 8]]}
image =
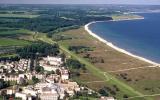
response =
{"points": [[140, 37]]}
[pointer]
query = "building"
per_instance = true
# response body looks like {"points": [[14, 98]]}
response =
{"points": [[51, 63], [49, 94], [70, 87], [30, 91], [53, 78], [64, 74], [11, 91], [106, 98], [10, 78], [40, 85], [49, 67], [55, 61], [23, 96]]}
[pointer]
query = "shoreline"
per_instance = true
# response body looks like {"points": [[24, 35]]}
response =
{"points": [[86, 27]]}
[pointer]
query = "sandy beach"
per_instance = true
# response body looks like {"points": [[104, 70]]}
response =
{"points": [[115, 47]]}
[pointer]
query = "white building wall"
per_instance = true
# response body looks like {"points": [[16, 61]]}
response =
{"points": [[21, 95]]}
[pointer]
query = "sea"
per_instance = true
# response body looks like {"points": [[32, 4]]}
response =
{"points": [[140, 37]]}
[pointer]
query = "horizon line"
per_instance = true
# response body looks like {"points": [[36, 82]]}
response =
{"points": [[76, 4]]}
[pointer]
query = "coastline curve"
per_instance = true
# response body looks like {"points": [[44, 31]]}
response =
{"points": [[86, 27]]}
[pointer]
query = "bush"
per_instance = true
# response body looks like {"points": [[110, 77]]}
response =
{"points": [[39, 69], [103, 92], [74, 64], [35, 80]]}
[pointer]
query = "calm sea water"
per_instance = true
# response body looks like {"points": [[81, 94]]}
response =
{"points": [[140, 37]]}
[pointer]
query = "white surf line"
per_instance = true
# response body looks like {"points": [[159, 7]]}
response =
{"points": [[86, 27], [152, 95], [132, 69]]}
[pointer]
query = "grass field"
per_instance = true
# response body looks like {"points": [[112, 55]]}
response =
{"points": [[10, 31], [107, 78], [127, 16], [15, 37], [18, 15], [138, 79], [12, 42], [10, 37], [8, 55]]}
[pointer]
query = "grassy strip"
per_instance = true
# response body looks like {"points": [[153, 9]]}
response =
{"points": [[121, 17], [8, 55], [18, 15], [12, 42], [15, 32]]}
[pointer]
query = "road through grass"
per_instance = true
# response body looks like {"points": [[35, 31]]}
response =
{"points": [[108, 78]]}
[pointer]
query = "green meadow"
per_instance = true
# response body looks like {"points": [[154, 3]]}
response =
{"points": [[11, 31], [12, 42], [11, 36]]}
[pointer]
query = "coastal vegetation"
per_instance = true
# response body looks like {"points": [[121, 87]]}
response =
{"points": [[114, 62], [56, 30]]}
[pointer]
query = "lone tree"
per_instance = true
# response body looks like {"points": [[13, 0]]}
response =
{"points": [[39, 69], [103, 92], [35, 80]]}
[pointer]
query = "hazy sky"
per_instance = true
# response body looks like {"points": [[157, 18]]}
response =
{"points": [[152, 2]]}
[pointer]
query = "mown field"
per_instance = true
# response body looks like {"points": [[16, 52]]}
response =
{"points": [[128, 70]]}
